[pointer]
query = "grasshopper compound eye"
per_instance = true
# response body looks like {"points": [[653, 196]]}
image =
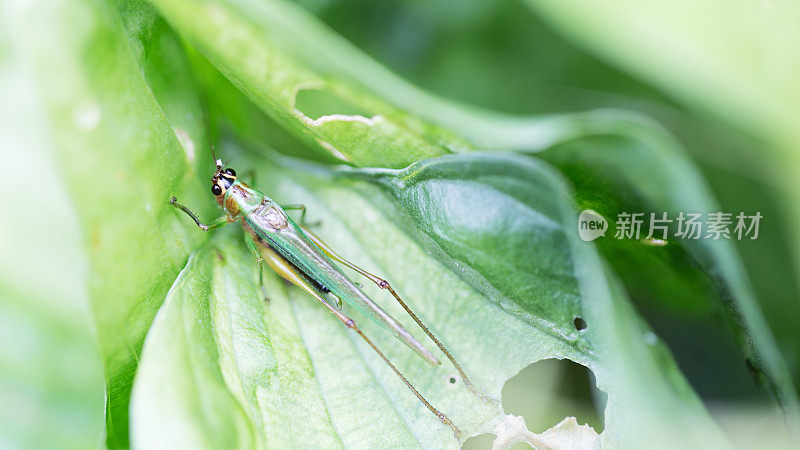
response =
{"points": [[230, 172], [215, 189]]}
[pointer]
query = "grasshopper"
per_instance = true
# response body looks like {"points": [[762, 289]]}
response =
{"points": [[304, 260]]}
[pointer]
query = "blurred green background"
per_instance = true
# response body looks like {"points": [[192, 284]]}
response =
{"points": [[706, 80]]}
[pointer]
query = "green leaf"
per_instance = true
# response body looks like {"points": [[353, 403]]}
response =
{"points": [[744, 69], [506, 224], [624, 164], [51, 377], [361, 128], [120, 188], [214, 329]]}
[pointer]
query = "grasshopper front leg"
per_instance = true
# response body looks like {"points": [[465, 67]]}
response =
{"points": [[214, 225]]}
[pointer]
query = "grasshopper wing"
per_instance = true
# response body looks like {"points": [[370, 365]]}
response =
{"points": [[275, 228]]}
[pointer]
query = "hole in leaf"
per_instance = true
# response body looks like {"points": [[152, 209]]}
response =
{"points": [[315, 103], [580, 324], [547, 391], [485, 441], [520, 446], [479, 442]]}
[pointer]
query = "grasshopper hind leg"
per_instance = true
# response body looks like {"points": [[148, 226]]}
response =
{"points": [[329, 298], [289, 272], [253, 245], [383, 284]]}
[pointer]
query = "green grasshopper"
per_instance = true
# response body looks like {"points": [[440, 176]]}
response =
{"points": [[303, 259]]}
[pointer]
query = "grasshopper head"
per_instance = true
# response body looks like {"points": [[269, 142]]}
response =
{"points": [[221, 181]]}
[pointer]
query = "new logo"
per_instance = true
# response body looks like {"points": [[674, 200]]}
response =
{"points": [[591, 225]]}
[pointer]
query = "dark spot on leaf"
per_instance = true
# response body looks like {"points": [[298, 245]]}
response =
{"points": [[452, 380], [219, 256], [580, 324]]}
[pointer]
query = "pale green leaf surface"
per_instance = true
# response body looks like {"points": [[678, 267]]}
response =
{"points": [[121, 187], [43, 305]]}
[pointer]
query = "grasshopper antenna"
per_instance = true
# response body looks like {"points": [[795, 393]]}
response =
{"points": [[209, 127]]}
